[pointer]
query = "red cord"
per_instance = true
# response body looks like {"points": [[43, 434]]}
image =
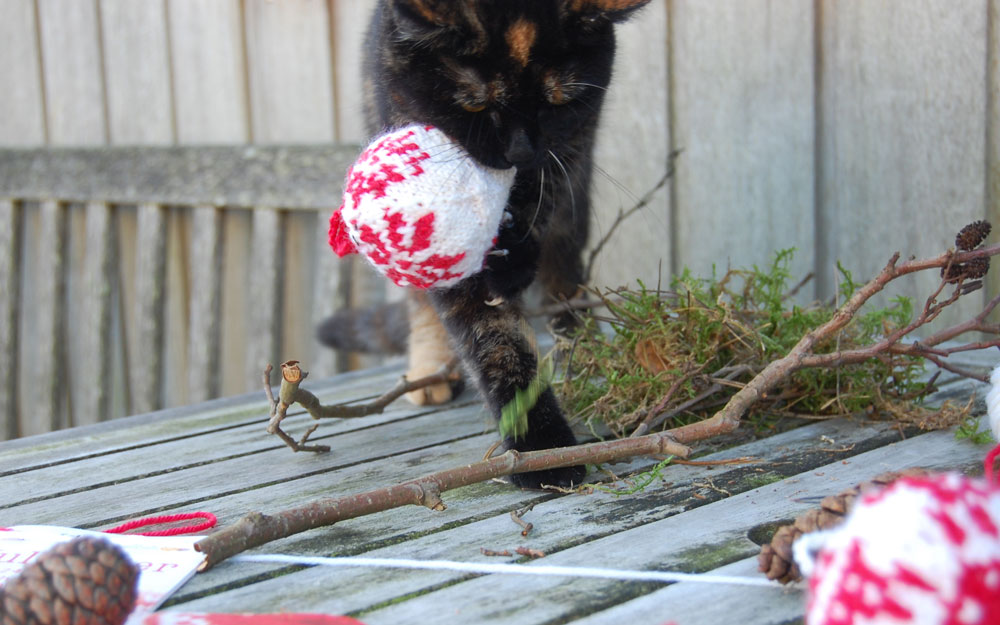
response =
{"points": [[989, 463], [210, 521]]}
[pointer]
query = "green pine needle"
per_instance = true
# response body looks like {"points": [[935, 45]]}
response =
{"points": [[514, 415]]}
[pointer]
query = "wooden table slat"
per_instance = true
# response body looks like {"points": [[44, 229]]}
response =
{"points": [[217, 457], [186, 421]]}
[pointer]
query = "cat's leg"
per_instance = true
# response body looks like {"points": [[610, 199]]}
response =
{"points": [[561, 265], [561, 269], [491, 341], [560, 272], [428, 351]]}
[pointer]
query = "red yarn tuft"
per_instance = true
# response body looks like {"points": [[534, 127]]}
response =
{"points": [[338, 238], [989, 465]]}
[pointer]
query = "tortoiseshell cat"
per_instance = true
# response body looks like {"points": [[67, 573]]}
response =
{"points": [[518, 83]]}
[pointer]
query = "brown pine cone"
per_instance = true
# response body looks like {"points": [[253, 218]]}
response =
{"points": [[977, 268], [86, 581], [971, 236], [775, 559]]}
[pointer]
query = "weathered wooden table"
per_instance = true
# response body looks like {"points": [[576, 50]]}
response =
{"points": [[216, 457]]}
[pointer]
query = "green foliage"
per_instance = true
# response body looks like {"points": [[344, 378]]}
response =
{"points": [[720, 331], [637, 483], [972, 429], [514, 415]]}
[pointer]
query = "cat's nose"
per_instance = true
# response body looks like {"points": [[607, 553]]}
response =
{"points": [[520, 151]]}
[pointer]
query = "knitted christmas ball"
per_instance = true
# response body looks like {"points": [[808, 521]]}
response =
{"points": [[923, 550], [422, 211]]}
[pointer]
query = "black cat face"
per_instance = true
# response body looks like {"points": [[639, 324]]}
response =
{"points": [[513, 81]]}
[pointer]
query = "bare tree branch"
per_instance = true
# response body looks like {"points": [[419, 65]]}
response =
{"points": [[256, 529], [290, 393]]}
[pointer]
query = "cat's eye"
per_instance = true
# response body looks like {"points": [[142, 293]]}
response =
{"points": [[473, 107]]}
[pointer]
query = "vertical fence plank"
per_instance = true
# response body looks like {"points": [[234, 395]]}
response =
{"points": [[10, 289], [331, 288], [47, 387], [632, 148], [348, 39], [137, 67], [209, 72], [176, 308], [297, 338], [237, 226], [264, 293], [291, 80], [902, 135], [204, 303], [146, 357], [743, 114], [72, 74], [94, 368], [22, 105]]}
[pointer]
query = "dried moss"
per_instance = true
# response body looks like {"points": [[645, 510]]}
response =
{"points": [[672, 357]]}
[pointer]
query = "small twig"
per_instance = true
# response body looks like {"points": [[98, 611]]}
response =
{"points": [[290, 393], [525, 526], [531, 553], [623, 215], [647, 423], [798, 287], [491, 552], [267, 390], [714, 463], [711, 486], [291, 377], [554, 308], [489, 452], [732, 372]]}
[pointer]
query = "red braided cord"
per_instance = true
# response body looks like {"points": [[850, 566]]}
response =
{"points": [[210, 521]]}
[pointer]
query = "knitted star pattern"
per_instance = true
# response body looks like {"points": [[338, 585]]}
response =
{"points": [[420, 209], [922, 551]]}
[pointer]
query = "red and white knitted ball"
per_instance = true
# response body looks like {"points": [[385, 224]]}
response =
{"points": [[923, 550], [422, 211]]}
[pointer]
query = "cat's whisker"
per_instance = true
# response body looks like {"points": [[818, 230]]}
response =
{"points": [[617, 183], [569, 180], [586, 84], [538, 205]]}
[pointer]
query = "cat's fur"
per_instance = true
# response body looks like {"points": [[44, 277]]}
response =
{"points": [[516, 83]]}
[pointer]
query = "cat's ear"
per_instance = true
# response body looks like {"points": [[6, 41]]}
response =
{"points": [[420, 19], [613, 10]]}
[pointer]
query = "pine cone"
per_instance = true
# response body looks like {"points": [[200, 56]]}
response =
{"points": [[775, 559], [971, 236], [86, 580], [953, 272], [977, 268]]}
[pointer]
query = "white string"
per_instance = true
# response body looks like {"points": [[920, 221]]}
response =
{"points": [[517, 569]]}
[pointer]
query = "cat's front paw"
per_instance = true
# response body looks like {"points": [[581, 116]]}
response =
{"points": [[565, 477], [511, 266], [547, 429]]}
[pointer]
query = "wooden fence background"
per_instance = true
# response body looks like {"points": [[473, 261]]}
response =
{"points": [[848, 129]]}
